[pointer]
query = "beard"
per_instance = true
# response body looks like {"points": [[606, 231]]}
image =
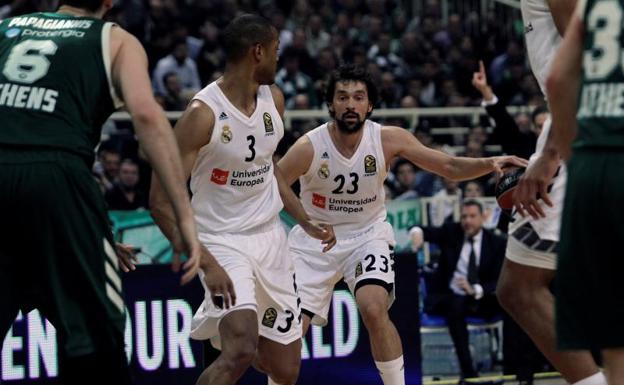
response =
{"points": [[347, 128]]}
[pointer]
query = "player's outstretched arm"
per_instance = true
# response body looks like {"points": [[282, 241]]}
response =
{"points": [[399, 142], [130, 78]]}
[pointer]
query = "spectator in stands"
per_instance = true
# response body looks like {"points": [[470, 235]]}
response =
{"points": [[179, 63], [513, 140], [316, 37], [443, 203], [464, 282], [473, 189], [293, 81], [389, 91], [106, 169], [125, 195], [173, 100], [211, 56], [404, 180]]}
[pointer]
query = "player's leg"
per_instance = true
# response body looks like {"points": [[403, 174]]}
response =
{"points": [[614, 365], [369, 272], [524, 292], [280, 362], [238, 331], [78, 287]]}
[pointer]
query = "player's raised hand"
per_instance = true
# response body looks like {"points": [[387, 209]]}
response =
{"points": [[479, 81], [534, 185], [126, 256], [217, 280], [501, 162], [323, 231]]}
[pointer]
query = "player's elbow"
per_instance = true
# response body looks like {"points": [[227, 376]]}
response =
{"points": [[554, 83], [146, 116]]}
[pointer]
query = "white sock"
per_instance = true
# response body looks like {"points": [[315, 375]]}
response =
{"points": [[393, 372], [594, 379]]}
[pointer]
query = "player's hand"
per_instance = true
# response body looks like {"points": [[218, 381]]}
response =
{"points": [[192, 249], [501, 162], [126, 257], [534, 185], [218, 281], [323, 231], [479, 81], [463, 284]]}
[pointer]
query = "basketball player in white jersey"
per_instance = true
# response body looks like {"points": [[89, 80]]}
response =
{"points": [[227, 137], [342, 166], [529, 268]]}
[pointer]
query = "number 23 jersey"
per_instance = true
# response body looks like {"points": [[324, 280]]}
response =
{"points": [[346, 193], [233, 185]]}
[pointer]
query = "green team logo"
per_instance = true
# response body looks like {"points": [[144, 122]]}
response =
{"points": [[270, 315], [268, 122], [358, 269], [226, 134], [370, 164], [323, 171]]}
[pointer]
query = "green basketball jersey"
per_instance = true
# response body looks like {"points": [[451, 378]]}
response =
{"points": [[55, 88], [601, 96]]}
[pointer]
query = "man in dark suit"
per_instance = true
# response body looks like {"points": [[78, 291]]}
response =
{"points": [[465, 279]]}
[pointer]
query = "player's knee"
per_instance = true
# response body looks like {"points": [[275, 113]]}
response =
{"points": [[374, 314], [512, 297], [240, 357], [286, 374]]}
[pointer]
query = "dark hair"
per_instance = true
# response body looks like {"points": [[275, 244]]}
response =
{"points": [[537, 111], [89, 5], [473, 202], [244, 32], [350, 72]]}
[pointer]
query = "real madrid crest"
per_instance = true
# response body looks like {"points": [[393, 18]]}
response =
{"points": [[370, 164], [268, 122], [323, 171], [226, 134]]}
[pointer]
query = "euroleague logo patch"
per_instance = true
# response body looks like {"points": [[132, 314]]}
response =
{"points": [[270, 315], [268, 123], [370, 165], [219, 176]]}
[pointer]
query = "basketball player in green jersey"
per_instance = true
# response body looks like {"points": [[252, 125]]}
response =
{"points": [[61, 75], [585, 89]]}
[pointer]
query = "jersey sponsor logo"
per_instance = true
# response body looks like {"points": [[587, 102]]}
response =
{"points": [[325, 155], [370, 165], [250, 178], [223, 116], [270, 315], [358, 269], [323, 171], [319, 200], [32, 98], [12, 32], [350, 206], [226, 134], [219, 176], [66, 33], [268, 123]]}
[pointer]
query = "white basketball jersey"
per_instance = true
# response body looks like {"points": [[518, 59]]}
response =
{"points": [[346, 193], [542, 38], [233, 185]]}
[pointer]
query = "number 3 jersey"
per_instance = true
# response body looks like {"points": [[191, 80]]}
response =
{"points": [[55, 87], [346, 193], [233, 185]]}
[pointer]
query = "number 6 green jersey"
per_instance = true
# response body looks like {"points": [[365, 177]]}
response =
{"points": [[55, 82]]}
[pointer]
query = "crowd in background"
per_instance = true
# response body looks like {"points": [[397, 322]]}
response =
{"points": [[424, 60]]}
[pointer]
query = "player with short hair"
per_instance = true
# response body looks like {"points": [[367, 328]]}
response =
{"points": [[227, 137], [342, 165], [61, 75]]}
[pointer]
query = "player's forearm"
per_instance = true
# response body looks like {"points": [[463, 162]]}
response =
{"points": [[292, 204], [161, 209], [461, 168], [562, 87], [561, 11]]}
